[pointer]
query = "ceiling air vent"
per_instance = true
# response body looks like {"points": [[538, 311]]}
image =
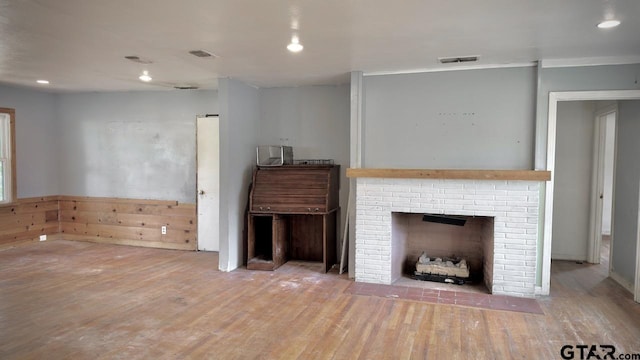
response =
{"points": [[138, 59], [459, 59], [201, 53], [186, 87]]}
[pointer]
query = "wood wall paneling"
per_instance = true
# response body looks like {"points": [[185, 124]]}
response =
{"points": [[105, 220], [129, 222], [26, 219]]}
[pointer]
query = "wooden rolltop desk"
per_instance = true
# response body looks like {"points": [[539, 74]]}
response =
{"points": [[293, 215]]}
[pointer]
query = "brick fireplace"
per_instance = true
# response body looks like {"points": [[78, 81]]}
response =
{"points": [[512, 203]]}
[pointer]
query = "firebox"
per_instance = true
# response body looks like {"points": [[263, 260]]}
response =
{"points": [[467, 238]]}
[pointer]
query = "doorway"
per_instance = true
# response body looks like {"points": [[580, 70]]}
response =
{"points": [[583, 178], [554, 99], [208, 182], [602, 179]]}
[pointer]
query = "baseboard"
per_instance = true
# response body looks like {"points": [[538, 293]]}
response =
{"points": [[128, 242], [621, 280], [50, 237], [54, 237], [11, 245], [568, 257]]}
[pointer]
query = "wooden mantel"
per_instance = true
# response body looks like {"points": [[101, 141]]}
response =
{"points": [[526, 175]]}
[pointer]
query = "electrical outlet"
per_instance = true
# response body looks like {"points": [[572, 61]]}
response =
{"points": [[43, 237], [164, 230]]}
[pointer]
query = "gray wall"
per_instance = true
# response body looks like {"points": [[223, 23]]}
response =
{"points": [[627, 182], [474, 119], [606, 77], [239, 123], [36, 143], [315, 121], [130, 144], [574, 162]]}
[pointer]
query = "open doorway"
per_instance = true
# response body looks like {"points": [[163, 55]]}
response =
{"points": [[574, 176], [626, 255], [602, 180], [582, 203]]}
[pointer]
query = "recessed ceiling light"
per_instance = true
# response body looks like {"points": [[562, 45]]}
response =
{"points": [[295, 45], [43, 82], [607, 24], [145, 76]]}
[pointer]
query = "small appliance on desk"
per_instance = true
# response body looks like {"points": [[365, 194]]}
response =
{"points": [[274, 155]]}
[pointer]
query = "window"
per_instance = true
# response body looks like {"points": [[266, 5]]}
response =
{"points": [[7, 156]]}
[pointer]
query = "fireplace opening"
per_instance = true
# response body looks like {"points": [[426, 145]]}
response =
{"points": [[459, 248]]}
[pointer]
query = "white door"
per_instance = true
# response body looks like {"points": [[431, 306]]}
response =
{"points": [[208, 182]]}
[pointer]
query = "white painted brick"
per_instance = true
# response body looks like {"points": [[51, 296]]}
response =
{"points": [[406, 196], [372, 187], [478, 197], [511, 209], [512, 262], [489, 185], [509, 230], [511, 251], [525, 289], [514, 281], [396, 189], [512, 270], [492, 192], [458, 202], [451, 185], [448, 196], [489, 213], [492, 203], [478, 208], [522, 247], [399, 202], [520, 193], [513, 186], [520, 237], [521, 225], [505, 201]]}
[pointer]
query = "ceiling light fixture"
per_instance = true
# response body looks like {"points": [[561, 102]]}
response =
{"points": [[295, 45], [43, 82], [608, 24], [145, 76]]}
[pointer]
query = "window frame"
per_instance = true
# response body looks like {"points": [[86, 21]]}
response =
{"points": [[12, 193]]}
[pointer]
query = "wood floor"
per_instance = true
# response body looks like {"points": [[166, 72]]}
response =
{"points": [[76, 300]]}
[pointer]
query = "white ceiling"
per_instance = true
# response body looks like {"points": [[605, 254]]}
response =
{"points": [[79, 45]]}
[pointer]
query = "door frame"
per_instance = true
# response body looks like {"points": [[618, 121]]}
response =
{"points": [[554, 98]]}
